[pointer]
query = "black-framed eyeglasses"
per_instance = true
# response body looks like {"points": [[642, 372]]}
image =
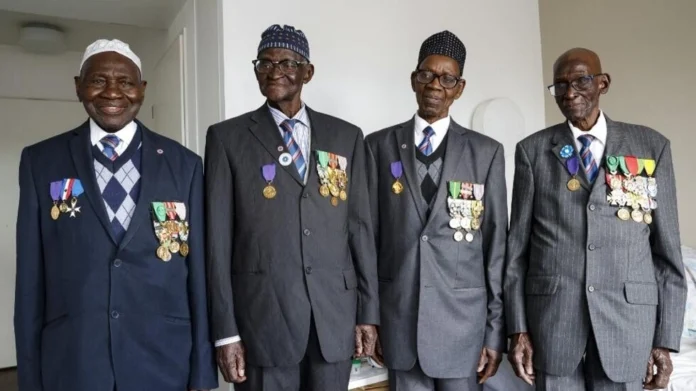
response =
{"points": [[446, 81], [582, 83], [288, 67]]}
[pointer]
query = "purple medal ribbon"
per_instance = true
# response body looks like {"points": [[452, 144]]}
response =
{"points": [[397, 169], [573, 165], [56, 190], [269, 172]]}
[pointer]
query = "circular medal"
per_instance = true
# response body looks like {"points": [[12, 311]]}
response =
{"points": [[324, 190], [343, 195], [172, 226], [647, 218], [469, 237], [455, 223], [55, 212], [184, 249], [334, 190], [64, 207], [269, 192], [475, 224], [458, 236], [624, 214], [637, 216], [334, 201], [285, 159], [573, 184], [163, 253], [397, 187], [653, 204], [174, 247]]}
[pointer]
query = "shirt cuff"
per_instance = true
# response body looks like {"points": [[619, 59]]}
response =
{"points": [[227, 341]]}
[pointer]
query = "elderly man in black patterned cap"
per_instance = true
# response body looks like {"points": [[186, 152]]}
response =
{"points": [[293, 264], [440, 217]]}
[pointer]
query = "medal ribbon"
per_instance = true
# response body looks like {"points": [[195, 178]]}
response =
{"points": [[332, 160], [454, 188], [181, 209], [323, 158], [612, 164], [171, 210], [632, 165], [67, 188], [478, 191], [269, 172], [397, 170], [622, 164], [342, 162], [649, 166], [77, 188], [56, 189], [573, 165], [159, 210], [641, 165]]}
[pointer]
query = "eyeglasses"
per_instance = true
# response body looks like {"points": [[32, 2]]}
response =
{"points": [[288, 67], [446, 81], [580, 84]]}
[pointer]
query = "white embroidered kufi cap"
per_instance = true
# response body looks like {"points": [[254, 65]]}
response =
{"points": [[114, 45]]}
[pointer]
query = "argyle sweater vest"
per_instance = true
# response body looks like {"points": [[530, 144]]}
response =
{"points": [[429, 170]]}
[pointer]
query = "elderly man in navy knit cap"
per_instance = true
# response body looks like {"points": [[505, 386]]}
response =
{"points": [[440, 217], [291, 246]]}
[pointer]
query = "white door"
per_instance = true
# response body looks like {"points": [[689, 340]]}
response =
{"points": [[166, 89], [24, 122]]}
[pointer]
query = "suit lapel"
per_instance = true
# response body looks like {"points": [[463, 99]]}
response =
{"points": [[268, 134], [564, 136], [151, 165], [405, 143], [81, 148], [456, 144]]}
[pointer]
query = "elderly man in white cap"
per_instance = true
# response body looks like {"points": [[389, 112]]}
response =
{"points": [[111, 289]]}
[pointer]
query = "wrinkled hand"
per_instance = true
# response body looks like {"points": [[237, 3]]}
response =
{"points": [[365, 340], [654, 380], [378, 357], [520, 356], [488, 364], [231, 360]]}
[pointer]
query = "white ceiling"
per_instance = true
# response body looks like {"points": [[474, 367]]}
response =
{"points": [[156, 14]]}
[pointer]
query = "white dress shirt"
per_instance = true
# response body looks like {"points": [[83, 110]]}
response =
{"points": [[302, 135], [125, 135], [599, 132], [440, 128]]}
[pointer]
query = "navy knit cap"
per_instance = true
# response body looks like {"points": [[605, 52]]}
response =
{"points": [[285, 37], [445, 44]]}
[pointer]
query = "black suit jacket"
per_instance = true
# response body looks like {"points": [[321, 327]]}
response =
{"points": [[276, 263], [94, 314]]}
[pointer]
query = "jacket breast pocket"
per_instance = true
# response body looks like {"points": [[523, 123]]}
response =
{"points": [[644, 293], [541, 285], [350, 279]]}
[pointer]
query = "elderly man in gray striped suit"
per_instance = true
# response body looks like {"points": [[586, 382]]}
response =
{"points": [[594, 286]]}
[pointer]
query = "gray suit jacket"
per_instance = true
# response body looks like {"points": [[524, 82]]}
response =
{"points": [[277, 263], [575, 270], [441, 300]]}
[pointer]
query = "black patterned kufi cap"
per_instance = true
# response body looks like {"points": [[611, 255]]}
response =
{"points": [[445, 44], [285, 37]]}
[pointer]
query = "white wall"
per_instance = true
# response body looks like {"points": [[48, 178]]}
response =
{"points": [[365, 50], [648, 48]]}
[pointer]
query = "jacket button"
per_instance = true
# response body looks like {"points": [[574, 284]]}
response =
{"points": [[424, 238], [115, 314], [590, 288], [307, 232], [591, 247], [305, 195], [117, 263], [592, 207], [308, 270]]}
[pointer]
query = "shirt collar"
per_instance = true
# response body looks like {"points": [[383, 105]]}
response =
{"points": [[598, 131], [440, 126], [280, 117], [125, 135]]}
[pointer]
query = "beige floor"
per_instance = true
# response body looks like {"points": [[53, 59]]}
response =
{"points": [[8, 380]]}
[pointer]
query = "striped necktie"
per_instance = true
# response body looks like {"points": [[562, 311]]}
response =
{"points": [[426, 147], [110, 142], [588, 160], [288, 126]]}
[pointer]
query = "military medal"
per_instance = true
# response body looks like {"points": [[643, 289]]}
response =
{"points": [[651, 189], [56, 189], [469, 237], [477, 206], [458, 236], [77, 190], [467, 190], [455, 207], [269, 173], [636, 187], [333, 179], [163, 253], [322, 170], [334, 201], [159, 217], [66, 193], [342, 178], [397, 170], [182, 228], [573, 165]]}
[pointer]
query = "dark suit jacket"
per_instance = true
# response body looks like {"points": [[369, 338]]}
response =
{"points": [[90, 313], [441, 300], [574, 269], [275, 263]]}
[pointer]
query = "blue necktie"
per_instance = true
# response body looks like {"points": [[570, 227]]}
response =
{"points": [[426, 147], [294, 149], [588, 160], [110, 142]]}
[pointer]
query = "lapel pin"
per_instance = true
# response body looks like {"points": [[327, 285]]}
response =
{"points": [[285, 159], [280, 148], [403, 146], [159, 151], [567, 151]]}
